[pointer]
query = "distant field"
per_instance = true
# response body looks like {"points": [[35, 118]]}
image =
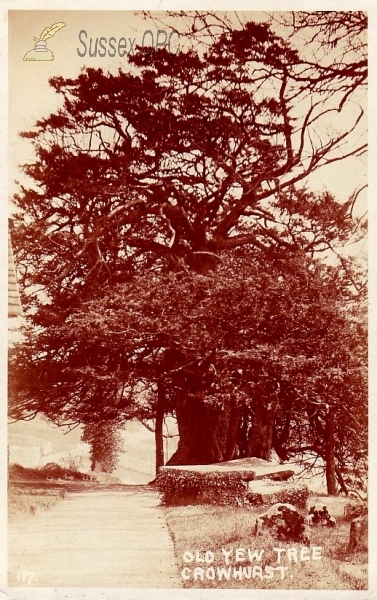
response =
{"points": [[61, 440], [139, 445]]}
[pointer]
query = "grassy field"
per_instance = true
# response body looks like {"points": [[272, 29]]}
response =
{"points": [[34, 490], [28, 501], [236, 558]]}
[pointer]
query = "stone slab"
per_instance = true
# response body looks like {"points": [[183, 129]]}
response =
{"points": [[258, 468]]}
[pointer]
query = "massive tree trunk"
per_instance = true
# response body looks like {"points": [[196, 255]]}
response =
{"points": [[242, 433], [261, 434], [231, 450], [159, 434], [330, 454], [203, 432], [209, 434]]}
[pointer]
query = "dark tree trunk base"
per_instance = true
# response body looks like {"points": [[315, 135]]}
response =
{"points": [[203, 433]]}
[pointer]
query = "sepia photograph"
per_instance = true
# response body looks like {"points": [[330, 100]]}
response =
{"points": [[187, 401]]}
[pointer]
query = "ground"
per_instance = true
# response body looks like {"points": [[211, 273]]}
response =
{"points": [[97, 536], [222, 531], [82, 533]]}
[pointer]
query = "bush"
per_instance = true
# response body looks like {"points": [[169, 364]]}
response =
{"points": [[71, 463], [181, 487], [48, 472], [18, 472], [55, 471]]}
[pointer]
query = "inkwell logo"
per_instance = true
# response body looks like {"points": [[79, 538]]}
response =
{"points": [[40, 51]]}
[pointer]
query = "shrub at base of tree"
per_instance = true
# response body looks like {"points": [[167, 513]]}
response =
{"points": [[183, 487], [188, 487]]}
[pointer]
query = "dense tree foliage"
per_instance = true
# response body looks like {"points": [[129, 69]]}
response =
{"points": [[251, 358], [171, 263]]}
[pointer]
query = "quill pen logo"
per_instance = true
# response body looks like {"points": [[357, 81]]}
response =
{"points": [[40, 51]]}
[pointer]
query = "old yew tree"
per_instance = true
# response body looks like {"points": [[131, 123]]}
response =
{"points": [[174, 259]]}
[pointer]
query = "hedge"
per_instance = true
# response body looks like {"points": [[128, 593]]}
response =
{"points": [[179, 487]]}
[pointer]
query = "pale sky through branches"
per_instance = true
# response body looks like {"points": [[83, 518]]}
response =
{"points": [[32, 98]]}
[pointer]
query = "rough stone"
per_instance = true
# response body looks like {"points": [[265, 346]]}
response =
{"points": [[265, 487], [106, 478], [319, 515], [277, 475], [359, 533], [352, 510], [284, 522], [335, 504]]}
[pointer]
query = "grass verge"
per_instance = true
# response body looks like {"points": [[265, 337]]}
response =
{"points": [[29, 501], [33, 490], [216, 547]]}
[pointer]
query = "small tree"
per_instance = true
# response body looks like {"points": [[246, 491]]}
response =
{"points": [[106, 444]]}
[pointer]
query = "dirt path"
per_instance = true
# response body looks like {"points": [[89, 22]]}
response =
{"points": [[100, 538]]}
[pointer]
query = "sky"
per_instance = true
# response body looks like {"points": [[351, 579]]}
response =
{"points": [[31, 97]]}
